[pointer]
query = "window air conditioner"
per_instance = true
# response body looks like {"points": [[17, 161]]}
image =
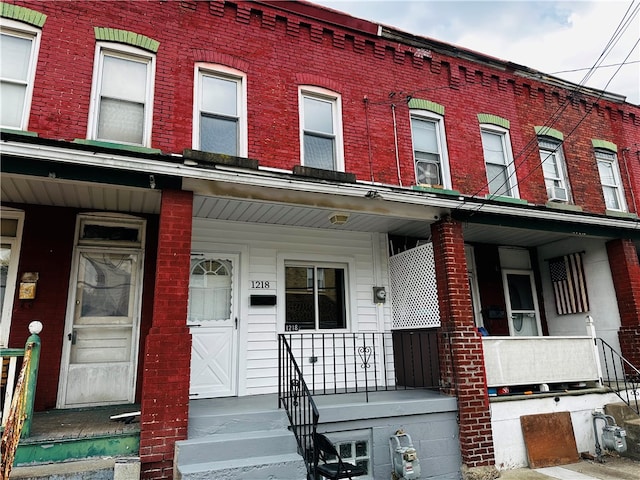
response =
{"points": [[557, 194]]}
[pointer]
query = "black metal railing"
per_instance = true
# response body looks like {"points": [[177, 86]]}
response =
{"points": [[620, 375], [335, 363], [296, 399]]}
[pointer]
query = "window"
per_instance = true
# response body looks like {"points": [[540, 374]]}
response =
{"points": [[315, 297], [19, 46], [321, 129], [353, 446], [553, 169], [429, 149], [220, 116], [122, 95], [610, 180], [499, 162]]}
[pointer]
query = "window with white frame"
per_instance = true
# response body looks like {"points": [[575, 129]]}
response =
{"points": [[429, 149], [498, 160], [122, 100], [553, 168], [19, 45], [353, 446], [315, 297], [321, 129], [220, 111], [610, 180]]}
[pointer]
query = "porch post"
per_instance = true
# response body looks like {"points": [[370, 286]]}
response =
{"points": [[167, 354], [625, 270], [460, 346]]}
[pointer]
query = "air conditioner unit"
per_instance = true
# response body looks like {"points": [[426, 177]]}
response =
{"points": [[557, 194]]}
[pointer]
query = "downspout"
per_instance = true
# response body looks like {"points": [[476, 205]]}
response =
{"points": [[395, 138], [366, 117]]}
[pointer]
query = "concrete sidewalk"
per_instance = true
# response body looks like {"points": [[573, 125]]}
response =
{"points": [[613, 468]]}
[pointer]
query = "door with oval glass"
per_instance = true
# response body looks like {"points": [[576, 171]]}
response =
{"points": [[522, 303], [213, 322]]}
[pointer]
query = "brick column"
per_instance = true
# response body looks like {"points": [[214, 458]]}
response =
{"points": [[165, 384], [625, 270], [460, 346]]}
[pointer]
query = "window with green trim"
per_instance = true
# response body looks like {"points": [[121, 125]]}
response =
{"points": [[122, 99], [498, 158], [610, 180], [19, 45], [429, 149]]}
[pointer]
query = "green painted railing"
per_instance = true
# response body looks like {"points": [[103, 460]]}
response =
{"points": [[19, 395]]}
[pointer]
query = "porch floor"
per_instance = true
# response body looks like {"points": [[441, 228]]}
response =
{"points": [[82, 423]]}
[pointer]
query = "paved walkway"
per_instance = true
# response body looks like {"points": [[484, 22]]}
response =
{"points": [[614, 468]]}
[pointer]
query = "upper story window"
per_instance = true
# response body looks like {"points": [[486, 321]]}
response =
{"points": [[498, 160], [610, 179], [122, 99], [220, 111], [321, 129], [430, 149], [315, 297], [553, 167], [19, 45]]}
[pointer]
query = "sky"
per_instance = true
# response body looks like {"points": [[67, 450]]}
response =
{"points": [[562, 38]]}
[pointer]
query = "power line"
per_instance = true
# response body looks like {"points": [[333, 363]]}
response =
{"points": [[601, 66]]}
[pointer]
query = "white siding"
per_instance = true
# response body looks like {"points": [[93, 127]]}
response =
{"points": [[262, 249]]}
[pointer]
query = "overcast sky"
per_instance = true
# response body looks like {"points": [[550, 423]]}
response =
{"points": [[546, 35]]}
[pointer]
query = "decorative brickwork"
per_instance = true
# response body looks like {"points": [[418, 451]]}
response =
{"points": [[625, 270], [461, 355], [167, 354]]}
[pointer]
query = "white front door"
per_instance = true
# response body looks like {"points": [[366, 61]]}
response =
{"points": [[100, 350], [213, 322], [522, 303]]}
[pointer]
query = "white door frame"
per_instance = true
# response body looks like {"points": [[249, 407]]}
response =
{"points": [[12, 273], [534, 293]]}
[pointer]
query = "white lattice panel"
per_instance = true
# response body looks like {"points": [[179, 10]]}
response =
{"points": [[414, 293]]}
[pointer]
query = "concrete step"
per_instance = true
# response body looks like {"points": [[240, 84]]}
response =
{"points": [[269, 467], [630, 421], [95, 469], [210, 422]]}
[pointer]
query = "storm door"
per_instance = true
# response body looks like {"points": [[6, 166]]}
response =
{"points": [[522, 304]]}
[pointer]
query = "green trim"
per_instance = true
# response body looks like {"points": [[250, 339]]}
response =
{"points": [[501, 198], [421, 104], [444, 191], [62, 450], [564, 206], [117, 146], [22, 14], [494, 120], [549, 132], [604, 144], [617, 213], [19, 132], [129, 38]]}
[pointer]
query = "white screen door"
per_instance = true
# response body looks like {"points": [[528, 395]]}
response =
{"points": [[213, 323], [99, 356], [522, 303]]}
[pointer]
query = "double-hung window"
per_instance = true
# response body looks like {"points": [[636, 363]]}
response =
{"points": [[315, 297], [498, 161], [553, 167], [429, 149], [220, 111], [122, 100], [610, 180], [19, 44], [321, 129]]}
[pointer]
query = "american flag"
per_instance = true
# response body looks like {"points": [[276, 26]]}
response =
{"points": [[569, 286]]}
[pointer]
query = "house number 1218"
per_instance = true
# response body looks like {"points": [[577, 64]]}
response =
{"points": [[259, 284]]}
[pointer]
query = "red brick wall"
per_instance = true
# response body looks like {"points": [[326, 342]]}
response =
{"points": [[165, 406], [625, 270], [461, 354], [280, 51]]}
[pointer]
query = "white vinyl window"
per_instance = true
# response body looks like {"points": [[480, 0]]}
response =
{"points": [[498, 160], [553, 167], [122, 99], [220, 111], [321, 129], [610, 180], [429, 149], [19, 45]]}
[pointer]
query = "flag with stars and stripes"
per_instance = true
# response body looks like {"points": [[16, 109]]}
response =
{"points": [[569, 286]]}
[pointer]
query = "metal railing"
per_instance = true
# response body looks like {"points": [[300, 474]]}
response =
{"points": [[296, 399], [18, 395], [619, 373], [335, 363]]}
